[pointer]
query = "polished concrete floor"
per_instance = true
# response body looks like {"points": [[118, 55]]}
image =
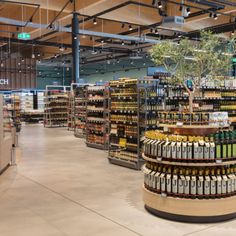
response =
{"points": [[61, 187]]}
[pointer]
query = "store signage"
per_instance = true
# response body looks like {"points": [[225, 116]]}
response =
{"points": [[23, 36], [4, 82]]}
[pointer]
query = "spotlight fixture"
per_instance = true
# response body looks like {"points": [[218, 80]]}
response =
{"points": [[131, 62], [215, 16], [94, 21], [122, 43], [144, 64], [83, 36], [188, 10], [159, 4], [123, 25], [38, 54], [75, 37], [102, 41], [22, 59], [130, 27], [180, 8], [61, 48], [232, 33], [18, 63], [156, 31], [154, 2], [211, 15], [19, 71], [39, 61], [2, 65], [151, 30]]}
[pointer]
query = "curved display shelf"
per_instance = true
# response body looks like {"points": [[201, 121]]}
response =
{"points": [[189, 164], [189, 210], [191, 129]]}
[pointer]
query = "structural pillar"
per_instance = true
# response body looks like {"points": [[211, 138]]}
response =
{"points": [[75, 48]]}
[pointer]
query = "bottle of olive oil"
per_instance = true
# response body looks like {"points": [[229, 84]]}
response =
{"points": [[200, 184], [187, 182], [163, 180], [224, 181], [218, 155], [181, 180], [168, 181], [219, 182], [213, 183], [175, 181], [193, 183], [207, 183]]}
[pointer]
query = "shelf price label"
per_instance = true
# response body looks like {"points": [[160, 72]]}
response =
{"points": [[122, 142]]}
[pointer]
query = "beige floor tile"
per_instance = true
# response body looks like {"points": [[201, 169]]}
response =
{"points": [[61, 187]]}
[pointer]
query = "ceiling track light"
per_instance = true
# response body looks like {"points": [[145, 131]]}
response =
{"points": [[159, 4], [123, 25], [95, 21], [215, 16], [151, 30], [211, 15], [180, 8], [232, 33], [188, 11], [156, 31], [130, 27], [122, 43]]}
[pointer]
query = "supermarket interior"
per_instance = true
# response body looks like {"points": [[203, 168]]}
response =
{"points": [[117, 117]]}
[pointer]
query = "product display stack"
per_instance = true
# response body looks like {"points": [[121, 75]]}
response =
{"points": [[55, 111], [190, 172], [80, 101], [96, 117]]}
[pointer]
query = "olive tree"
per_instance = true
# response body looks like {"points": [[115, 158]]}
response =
{"points": [[193, 60]]}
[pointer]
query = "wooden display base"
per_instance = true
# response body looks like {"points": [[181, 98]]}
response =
{"points": [[190, 210], [201, 130]]}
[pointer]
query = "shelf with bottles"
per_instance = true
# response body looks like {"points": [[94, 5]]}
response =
{"points": [[182, 168], [55, 110], [80, 103], [96, 114], [71, 114], [124, 121]]}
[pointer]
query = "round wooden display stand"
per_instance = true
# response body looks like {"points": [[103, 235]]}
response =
{"points": [[186, 209], [190, 210]]}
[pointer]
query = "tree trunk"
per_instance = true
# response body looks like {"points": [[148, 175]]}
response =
{"points": [[191, 97]]}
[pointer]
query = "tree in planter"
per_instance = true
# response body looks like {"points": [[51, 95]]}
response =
{"points": [[193, 60]]}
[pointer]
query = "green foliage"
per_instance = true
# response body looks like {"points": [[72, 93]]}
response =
{"points": [[208, 57]]}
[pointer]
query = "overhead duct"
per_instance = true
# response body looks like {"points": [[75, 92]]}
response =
{"points": [[59, 28], [207, 3]]}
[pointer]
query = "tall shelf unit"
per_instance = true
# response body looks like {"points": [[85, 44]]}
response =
{"points": [[55, 111], [80, 103], [127, 119], [71, 111], [96, 117]]}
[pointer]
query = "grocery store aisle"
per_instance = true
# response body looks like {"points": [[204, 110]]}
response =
{"points": [[61, 187]]}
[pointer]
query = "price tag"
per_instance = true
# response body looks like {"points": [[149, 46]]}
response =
{"points": [[179, 123], [122, 142]]}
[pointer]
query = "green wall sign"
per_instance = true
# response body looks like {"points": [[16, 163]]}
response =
{"points": [[23, 36]]}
